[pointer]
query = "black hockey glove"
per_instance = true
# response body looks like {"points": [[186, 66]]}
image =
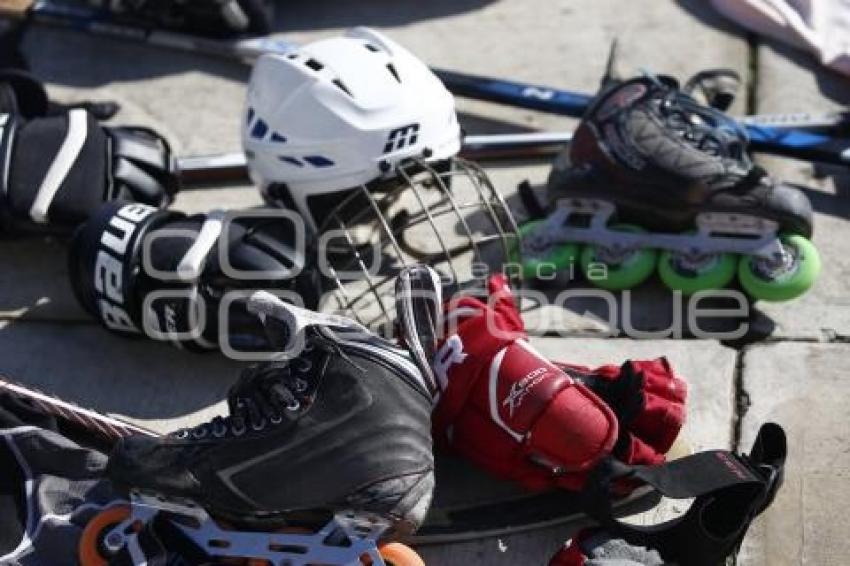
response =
{"points": [[56, 171], [58, 164], [186, 279], [215, 18]]}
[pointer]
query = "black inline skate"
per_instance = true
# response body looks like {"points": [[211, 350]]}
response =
{"points": [[321, 457], [650, 169]]}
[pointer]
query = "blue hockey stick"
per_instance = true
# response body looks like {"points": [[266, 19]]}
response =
{"points": [[789, 141]]}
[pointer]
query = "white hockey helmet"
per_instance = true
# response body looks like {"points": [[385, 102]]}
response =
{"points": [[341, 112]]}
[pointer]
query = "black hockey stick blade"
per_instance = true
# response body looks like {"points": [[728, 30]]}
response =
{"points": [[102, 426]]}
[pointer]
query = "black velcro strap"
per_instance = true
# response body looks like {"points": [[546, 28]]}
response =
{"points": [[530, 202], [730, 491]]}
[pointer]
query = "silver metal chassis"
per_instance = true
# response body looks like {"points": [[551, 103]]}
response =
{"points": [[715, 233], [342, 541]]}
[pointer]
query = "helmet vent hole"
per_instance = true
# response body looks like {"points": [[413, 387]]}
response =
{"points": [[393, 72], [291, 160], [259, 130], [318, 161], [315, 65], [372, 48], [341, 86]]}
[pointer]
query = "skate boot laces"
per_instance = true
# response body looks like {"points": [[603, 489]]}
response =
{"points": [[704, 128], [265, 395]]}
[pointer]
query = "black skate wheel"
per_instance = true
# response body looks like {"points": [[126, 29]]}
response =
{"points": [[786, 280], [618, 270], [91, 550]]}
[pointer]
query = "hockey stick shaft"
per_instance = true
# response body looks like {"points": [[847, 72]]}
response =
{"points": [[789, 142], [106, 427], [101, 22], [567, 103], [202, 169], [785, 141], [537, 97]]}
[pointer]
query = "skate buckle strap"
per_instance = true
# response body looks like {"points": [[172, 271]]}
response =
{"points": [[730, 490], [193, 261]]}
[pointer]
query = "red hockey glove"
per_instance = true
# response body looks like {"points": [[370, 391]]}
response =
{"points": [[648, 399], [513, 412]]}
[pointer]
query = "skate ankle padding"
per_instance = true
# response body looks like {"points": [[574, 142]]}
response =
{"points": [[729, 491]]}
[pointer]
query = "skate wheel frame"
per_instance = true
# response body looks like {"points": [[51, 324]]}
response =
{"points": [[788, 283], [348, 537], [556, 258], [633, 268], [90, 550]]}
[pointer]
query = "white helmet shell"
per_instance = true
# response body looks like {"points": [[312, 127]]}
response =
{"points": [[341, 112]]}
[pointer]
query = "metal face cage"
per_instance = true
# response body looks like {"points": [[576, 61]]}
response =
{"points": [[447, 215]]}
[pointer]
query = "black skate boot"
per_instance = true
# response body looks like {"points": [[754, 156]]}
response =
{"points": [[335, 441], [675, 176]]}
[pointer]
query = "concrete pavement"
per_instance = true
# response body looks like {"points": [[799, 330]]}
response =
{"points": [[795, 376]]}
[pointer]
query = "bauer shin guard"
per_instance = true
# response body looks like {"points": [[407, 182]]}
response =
{"points": [[186, 278]]}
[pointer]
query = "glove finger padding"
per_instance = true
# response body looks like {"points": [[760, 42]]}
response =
{"points": [[648, 399], [142, 270], [522, 417]]}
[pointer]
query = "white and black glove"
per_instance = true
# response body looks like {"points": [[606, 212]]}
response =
{"points": [[140, 270], [59, 164]]}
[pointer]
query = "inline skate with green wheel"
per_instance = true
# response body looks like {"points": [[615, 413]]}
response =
{"points": [[655, 181]]}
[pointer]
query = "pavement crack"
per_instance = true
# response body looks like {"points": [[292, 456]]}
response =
{"points": [[741, 399]]}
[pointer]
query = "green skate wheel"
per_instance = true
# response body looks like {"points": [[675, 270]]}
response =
{"points": [[784, 282], [616, 271], [550, 260], [679, 273]]}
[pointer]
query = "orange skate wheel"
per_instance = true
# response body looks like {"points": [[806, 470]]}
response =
{"points": [[397, 554], [90, 550]]}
